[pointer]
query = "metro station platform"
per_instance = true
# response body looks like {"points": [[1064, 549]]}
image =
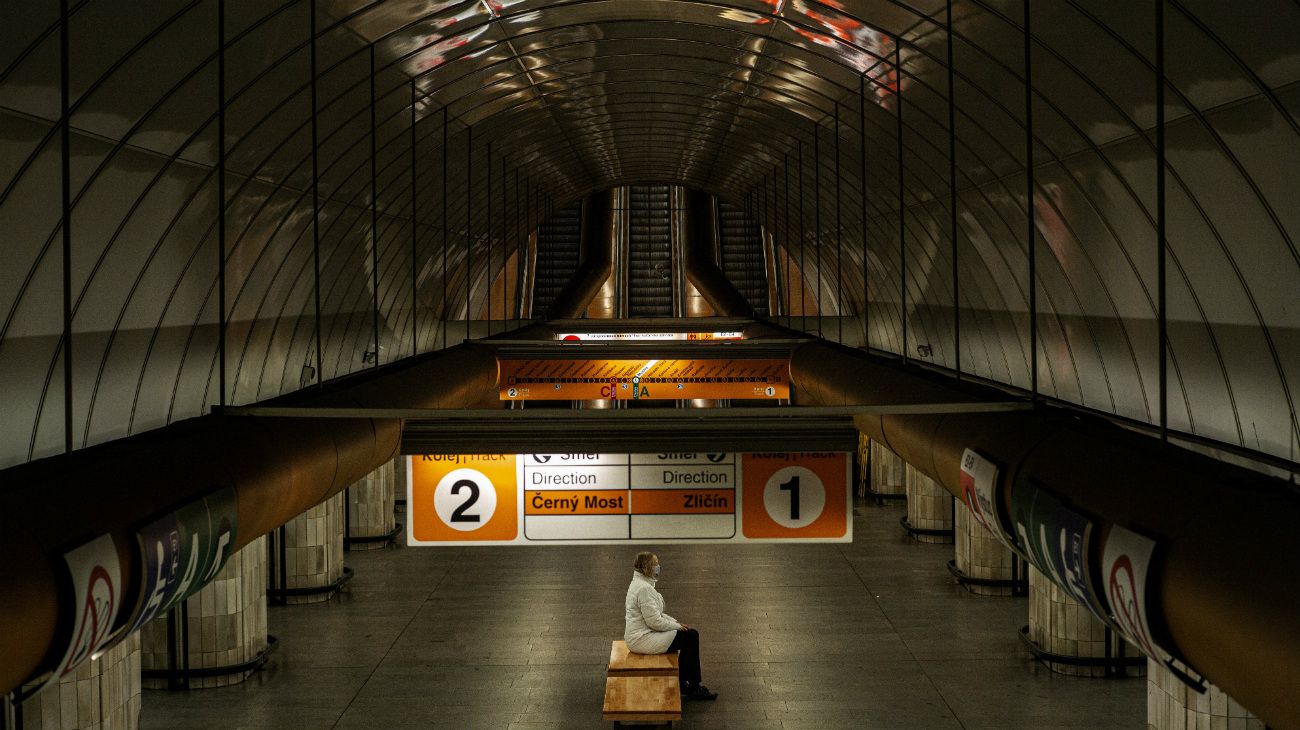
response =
{"points": [[873, 634]]}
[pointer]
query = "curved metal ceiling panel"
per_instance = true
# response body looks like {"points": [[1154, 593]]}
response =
{"points": [[790, 106]]}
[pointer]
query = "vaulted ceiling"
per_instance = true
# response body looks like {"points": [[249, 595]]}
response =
{"points": [[359, 161]]}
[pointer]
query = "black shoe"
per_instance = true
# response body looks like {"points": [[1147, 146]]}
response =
{"points": [[699, 692]]}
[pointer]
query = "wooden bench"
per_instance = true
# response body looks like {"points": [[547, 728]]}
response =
{"points": [[626, 663], [632, 699], [642, 688]]}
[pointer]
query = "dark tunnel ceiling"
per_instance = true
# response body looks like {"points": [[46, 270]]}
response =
{"points": [[574, 97]]}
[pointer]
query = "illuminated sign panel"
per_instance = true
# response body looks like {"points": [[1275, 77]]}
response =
{"points": [[643, 379], [618, 498], [648, 336]]}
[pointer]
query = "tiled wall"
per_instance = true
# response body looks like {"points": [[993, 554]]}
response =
{"points": [[314, 548], [888, 471], [1172, 705], [980, 555], [100, 694], [371, 503], [227, 621], [929, 506]]}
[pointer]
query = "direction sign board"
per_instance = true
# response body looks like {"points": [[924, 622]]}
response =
{"points": [[616, 498]]}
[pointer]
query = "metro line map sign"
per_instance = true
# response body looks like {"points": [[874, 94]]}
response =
{"points": [[527, 499], [648, 336], [669, 379]]}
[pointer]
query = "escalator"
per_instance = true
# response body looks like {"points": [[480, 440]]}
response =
{"points": [[559, 241], [650, 266], [740, 245]]}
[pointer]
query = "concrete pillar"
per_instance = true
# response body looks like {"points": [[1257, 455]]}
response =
{"points": [[888, 471], [978, 554], [1060, 625], [313, 553], [100, 694], [370, 508], [929, 507], [1172, 705], [225, 623]]}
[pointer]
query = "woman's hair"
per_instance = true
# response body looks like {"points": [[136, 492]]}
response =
{"points": [[643, 563]]}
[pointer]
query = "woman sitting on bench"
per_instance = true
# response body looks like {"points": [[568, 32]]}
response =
{"points": [[648, 630]]}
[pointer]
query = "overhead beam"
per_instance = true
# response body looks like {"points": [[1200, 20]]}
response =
{"points": [[601, 415]]}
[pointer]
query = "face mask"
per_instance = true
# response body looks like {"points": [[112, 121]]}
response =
{"points": [[657, 570]]}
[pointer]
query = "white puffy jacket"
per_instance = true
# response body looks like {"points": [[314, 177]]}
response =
{"points": [[648, 630]]}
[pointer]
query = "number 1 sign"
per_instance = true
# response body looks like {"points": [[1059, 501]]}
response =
{"points": [[796, 496]]}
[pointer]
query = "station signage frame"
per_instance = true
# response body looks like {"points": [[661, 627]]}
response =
{"points": [[643, 379], [595, 499]]}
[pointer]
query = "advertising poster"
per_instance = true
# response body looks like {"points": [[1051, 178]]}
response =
{"points": [[979, 481], [1057, 539], [97, 587], [1126, 565], [184, 550]]}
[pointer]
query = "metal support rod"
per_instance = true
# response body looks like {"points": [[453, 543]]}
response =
{"points": [[529, 200], [1161, 225], [521, 252], [505, 312], [173, 650], [803, 259], [1030, 229], [184, 622], [315, 195], [221, 202], [839, 235], [902, 220], [817, 218], [415, 236], [469, 215], [446, 295], [374, 209], [766, 232], [487, 270], [789, 295], [862, 163], [952, 198], [282, 544], [768, 203], [65, 192]]}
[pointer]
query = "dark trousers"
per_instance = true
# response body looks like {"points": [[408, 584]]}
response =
{"points": [[687, 646]]}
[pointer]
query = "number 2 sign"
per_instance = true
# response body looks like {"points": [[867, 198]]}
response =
{"points": [[473, 498]]}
